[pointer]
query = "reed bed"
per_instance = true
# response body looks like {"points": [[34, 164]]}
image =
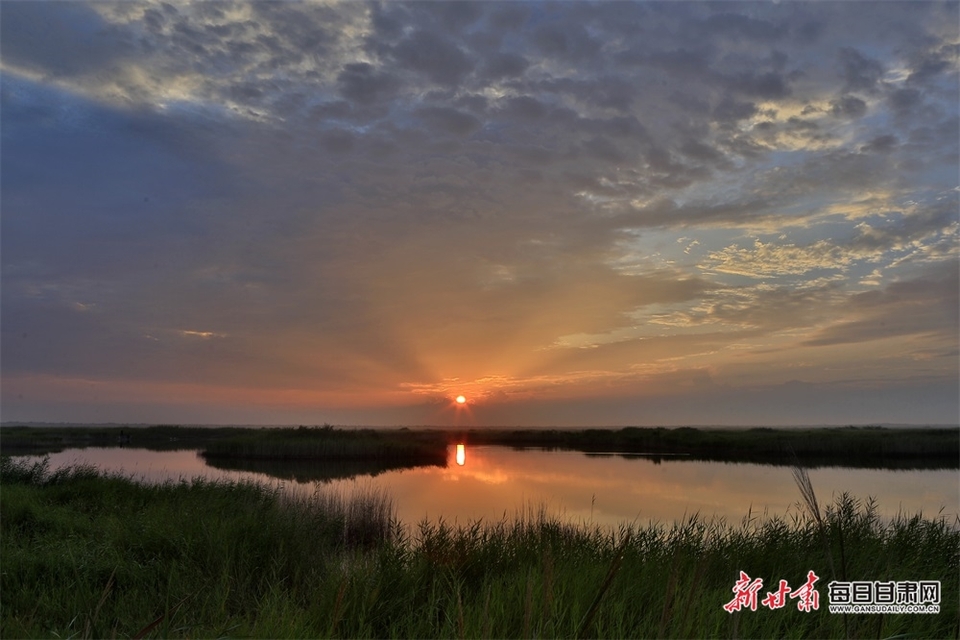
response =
{"points": [[322, 470], [327, 443], [90, 555], [849, 446]]}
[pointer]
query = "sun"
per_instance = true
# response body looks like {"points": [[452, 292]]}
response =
{"points": [[461, 400]]}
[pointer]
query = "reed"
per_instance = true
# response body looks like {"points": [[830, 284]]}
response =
{"points": [[848, 446], [327, 443], [324, 470], [87, 554]]}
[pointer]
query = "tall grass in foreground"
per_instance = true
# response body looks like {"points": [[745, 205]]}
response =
{"points": [[89, 555]]}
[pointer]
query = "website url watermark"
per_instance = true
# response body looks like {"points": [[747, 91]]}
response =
{"points": [[857, 596], [883, 608], [875, 596]]}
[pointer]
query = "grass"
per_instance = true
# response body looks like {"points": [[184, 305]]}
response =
{"points": [[88, 555], [96, 556], [21, 439]]}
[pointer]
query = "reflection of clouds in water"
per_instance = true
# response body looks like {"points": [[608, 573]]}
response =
{"points": [[485, 477], [497, 482]]}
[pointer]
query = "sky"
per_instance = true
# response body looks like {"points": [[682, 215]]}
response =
{"points": [[570, 213]]}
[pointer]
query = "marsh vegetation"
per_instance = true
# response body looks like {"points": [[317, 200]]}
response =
{"points": [[92, 555], [846, 446], [327, 443]]}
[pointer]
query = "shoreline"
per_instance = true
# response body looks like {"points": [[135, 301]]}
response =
{"points": [[93, 555], [834, 446]]}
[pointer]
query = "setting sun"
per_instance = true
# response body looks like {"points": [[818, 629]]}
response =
{"points": [[461, 400]]}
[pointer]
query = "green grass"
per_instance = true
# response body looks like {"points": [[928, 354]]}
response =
{"points": [[88, 555], [96, 556]]}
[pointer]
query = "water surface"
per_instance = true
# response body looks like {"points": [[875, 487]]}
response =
{"points": [[496, 482]]}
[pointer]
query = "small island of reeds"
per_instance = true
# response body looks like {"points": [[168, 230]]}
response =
{"points": [[328, 443]]}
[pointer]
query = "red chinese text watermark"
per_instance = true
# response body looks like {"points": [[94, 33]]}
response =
{"points": [[745, 594]]}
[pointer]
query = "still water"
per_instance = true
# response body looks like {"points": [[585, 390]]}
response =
{"points": [[492, 482]]}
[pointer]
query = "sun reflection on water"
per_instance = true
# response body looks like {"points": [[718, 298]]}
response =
{"points": [[607, 490]]}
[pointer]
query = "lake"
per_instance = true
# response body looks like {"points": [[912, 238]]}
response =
{"points": [[496, 482]]}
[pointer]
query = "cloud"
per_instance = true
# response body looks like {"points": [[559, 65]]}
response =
{"points": [[449, 120], [737, 26], [918, 307], [766, 260], [439, 59], [362, 83], [860, 73], [903, 101], [59, 40], [505, 65], [360, 197], [849, 106]]}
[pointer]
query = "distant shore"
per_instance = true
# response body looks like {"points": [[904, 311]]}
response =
{"points": [[871, 446], [496, 427]]}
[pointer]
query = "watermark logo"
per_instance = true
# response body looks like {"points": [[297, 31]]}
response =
{"points": [[860, 596], [745, 594], [874, 596]]}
